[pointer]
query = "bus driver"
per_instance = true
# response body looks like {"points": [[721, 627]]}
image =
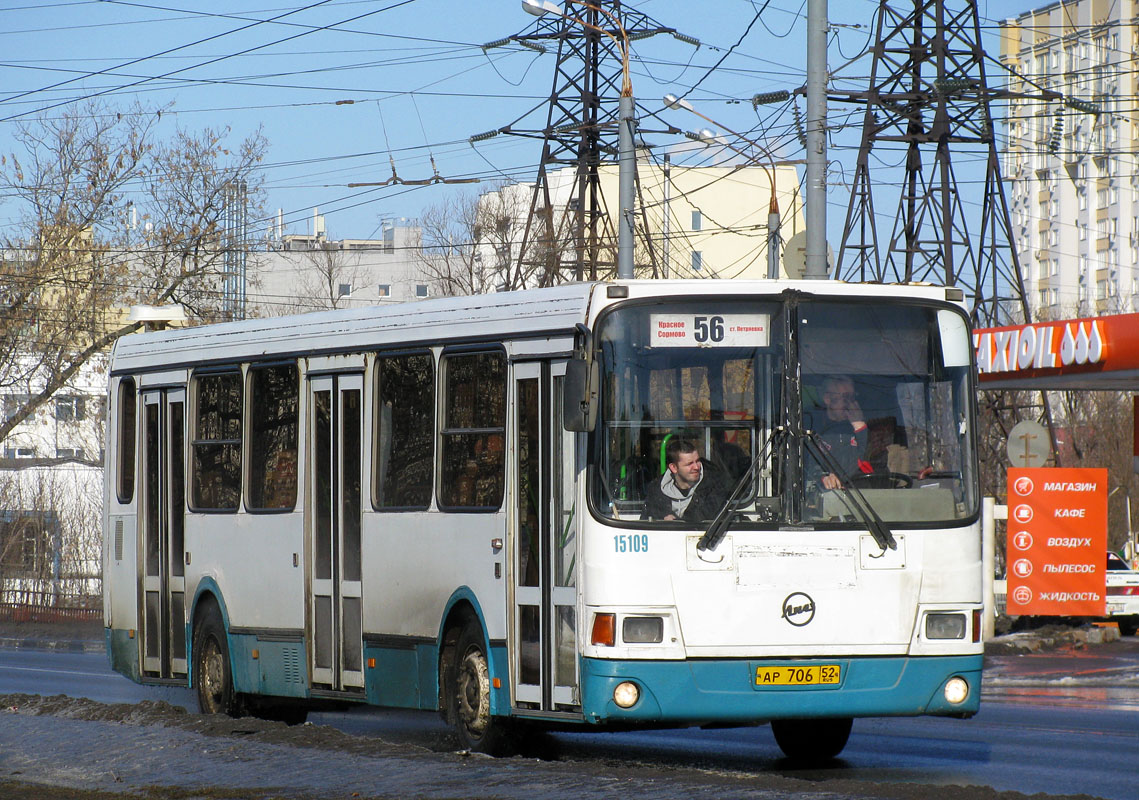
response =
{"points": [[844, 433], [687, 490]]}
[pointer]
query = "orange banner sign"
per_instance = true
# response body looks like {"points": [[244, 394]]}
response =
{"points": [[1057, 536]]}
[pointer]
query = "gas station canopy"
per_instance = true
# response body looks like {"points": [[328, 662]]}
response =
{"points": [[1089, 353]]}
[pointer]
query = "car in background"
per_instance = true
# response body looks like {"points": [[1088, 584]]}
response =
{"points": [[1122, 594]]}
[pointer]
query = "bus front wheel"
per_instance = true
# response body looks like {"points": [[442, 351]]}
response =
{"points": [[468, 696], [213, 678], [811, 740]]}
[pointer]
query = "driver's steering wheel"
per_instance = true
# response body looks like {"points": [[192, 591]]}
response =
{"points": [[881, 480]]}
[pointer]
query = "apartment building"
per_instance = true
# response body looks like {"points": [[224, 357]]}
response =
{"points": [[1069, 159]]}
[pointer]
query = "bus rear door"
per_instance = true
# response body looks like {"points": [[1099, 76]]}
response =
{"points": [[543, 630]]}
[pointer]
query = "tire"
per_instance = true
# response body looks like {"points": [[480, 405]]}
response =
{"points": [[213, 675], [1128, 625], [468, 698], [811, 741]]}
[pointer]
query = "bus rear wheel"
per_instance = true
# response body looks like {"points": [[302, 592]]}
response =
{"points": [[468, 698], [213, 678], [811, 740]]}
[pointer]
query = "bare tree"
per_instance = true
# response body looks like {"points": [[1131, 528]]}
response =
{"points": [[450, 257], [182, 244], [325, 274], [1095, 431], [470, 244], [107, 216]]}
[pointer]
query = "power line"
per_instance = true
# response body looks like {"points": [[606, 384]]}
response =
{"points": [[214, 60]]}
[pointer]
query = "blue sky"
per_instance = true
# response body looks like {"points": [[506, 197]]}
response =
{"points": [[419, 82]]}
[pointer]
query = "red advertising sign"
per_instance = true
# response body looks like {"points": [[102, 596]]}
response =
{"points": [[1057, 536]]}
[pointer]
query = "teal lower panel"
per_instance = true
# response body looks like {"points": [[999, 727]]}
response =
{"points": [[724, 690], [408, 677], [279, 668], [402, 677], [500, 668], [122, 653]]}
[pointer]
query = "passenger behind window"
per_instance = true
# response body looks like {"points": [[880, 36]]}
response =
{"points": [[690, 488]]}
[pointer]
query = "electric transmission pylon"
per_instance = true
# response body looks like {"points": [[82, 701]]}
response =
{"points": [[580, 132], [928, 95]]}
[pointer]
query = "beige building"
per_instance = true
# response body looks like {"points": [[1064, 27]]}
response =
{"points": [[1070, 172], [702, 222]]}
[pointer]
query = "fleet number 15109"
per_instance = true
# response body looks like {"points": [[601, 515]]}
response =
{"points": [[631, 543]]}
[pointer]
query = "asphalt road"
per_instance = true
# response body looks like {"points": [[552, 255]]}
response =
{"points": [[1059, 723]]}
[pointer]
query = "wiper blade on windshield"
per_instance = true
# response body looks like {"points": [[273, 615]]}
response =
{"points": [[852, 496], [723, 519]]}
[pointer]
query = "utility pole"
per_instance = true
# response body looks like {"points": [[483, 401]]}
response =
{"points": [[817, 23], [626, 178], [665, 266]]}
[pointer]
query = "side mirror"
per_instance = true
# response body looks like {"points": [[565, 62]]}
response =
{"points": [[579, 395]]}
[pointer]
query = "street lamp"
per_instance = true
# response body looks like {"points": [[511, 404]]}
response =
{"points": [[626, 124], [773, 238]]}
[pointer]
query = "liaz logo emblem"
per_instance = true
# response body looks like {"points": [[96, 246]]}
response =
{"points": [[798, 609]]}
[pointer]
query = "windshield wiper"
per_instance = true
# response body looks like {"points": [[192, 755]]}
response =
{"points": [[852, 496], [723, 519]]}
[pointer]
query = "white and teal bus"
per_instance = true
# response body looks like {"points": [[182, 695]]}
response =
{"points": [[444, 505]]}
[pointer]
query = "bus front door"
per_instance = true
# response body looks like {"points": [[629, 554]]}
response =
{"points": [[543, 625], [335, 589], [162, 548]]}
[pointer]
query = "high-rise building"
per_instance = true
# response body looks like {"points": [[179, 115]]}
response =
{"points": [[1069, 160]]}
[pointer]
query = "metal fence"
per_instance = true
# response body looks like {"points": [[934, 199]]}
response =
{"points": [[21, 604]]}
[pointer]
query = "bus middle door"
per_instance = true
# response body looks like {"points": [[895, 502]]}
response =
{"points": [[335, 591], [543, 629], [162, 532]]}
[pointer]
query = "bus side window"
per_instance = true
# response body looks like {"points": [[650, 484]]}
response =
{"points": [[472, 458], [273, 397], [405, 431], [216, 468], [127, 420]]}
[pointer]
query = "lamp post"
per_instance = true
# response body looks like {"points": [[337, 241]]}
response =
{"points": [[774, 241], [626, 125]]}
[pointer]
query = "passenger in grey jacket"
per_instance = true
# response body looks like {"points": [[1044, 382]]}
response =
{"points": [[689, 489]]}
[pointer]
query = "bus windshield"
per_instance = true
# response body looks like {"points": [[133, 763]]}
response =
{"points": [[829, 399]]}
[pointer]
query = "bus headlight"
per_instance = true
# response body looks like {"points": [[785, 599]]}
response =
{"points": [[956, 690], [642, 630], [626, 694], [945, 626]]}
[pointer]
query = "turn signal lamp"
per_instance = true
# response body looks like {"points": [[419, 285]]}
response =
{"points": [[604, 630]]}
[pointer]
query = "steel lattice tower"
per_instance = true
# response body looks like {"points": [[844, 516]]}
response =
{"points": [[581, 132], [928, 95]]}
